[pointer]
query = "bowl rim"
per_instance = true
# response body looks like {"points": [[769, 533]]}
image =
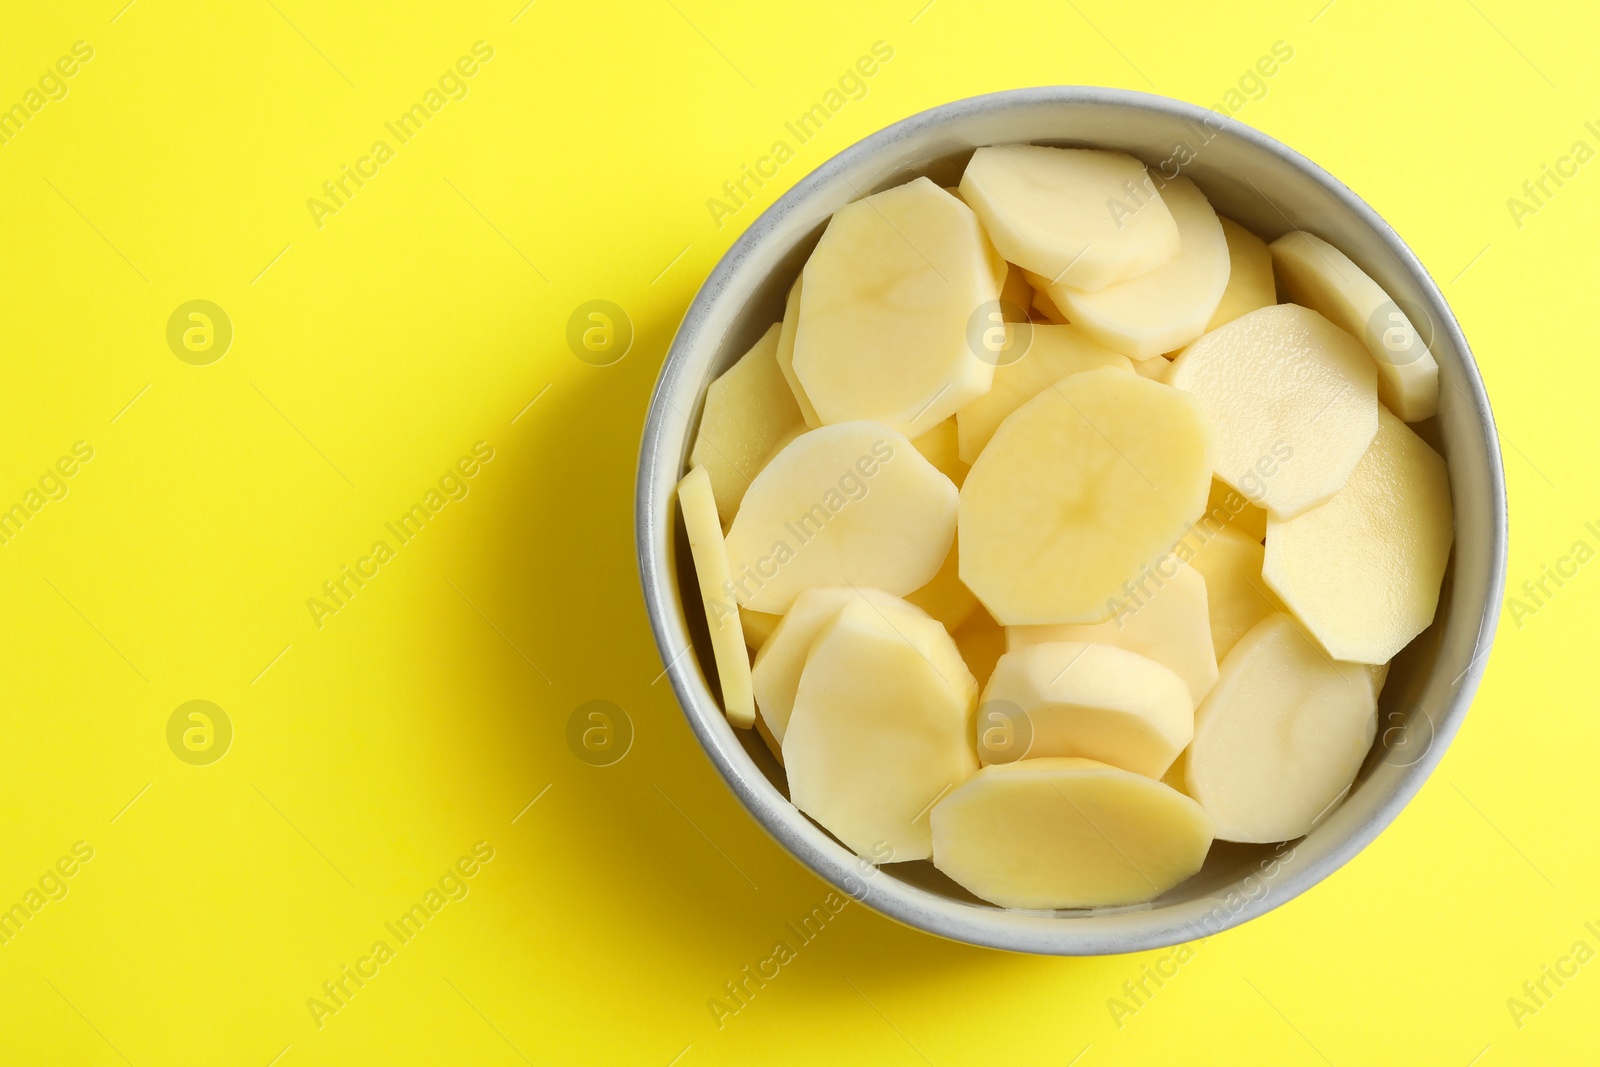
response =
{"points": [[1040, 933]]}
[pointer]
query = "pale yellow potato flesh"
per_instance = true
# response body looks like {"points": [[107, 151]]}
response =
{"points": [[1380, 674], [1227, 505], [1250, 281], [710, 556], [1153, 367], [748, 411], [1169, 306], [848, 504], [1081, 216], [1281, 737], [1093, 479], [1047, 309], [1362, 572], [785, 354], [1047, 354], [758, 627], [1294, 402], [941, 446], [1059, 833], [982, 642], [1319, 276], [1016, 295], [945, 597], [889, 293], [765, 733], [1237, 596], [881, 728], [1162, 614], [1096, 701], [775, 676]]}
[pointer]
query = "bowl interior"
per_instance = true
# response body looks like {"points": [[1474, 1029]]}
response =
{"points": [[1270, 190]]}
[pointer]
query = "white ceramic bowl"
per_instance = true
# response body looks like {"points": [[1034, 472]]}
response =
{"points": [[1270, 189]]}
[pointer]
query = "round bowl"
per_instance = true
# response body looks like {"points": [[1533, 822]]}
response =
{"points": [[1252, 179]]}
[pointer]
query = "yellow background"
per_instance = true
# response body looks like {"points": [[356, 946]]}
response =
{"points": [[369, 354]]}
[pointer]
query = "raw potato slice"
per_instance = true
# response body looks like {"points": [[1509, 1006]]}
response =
{"points": [[1048, 354], [1362, 572], [1170, 306], [941, 447], [1081, 487], [888, 295], [1067, 833], [850, 504], [945, 598], [1162, 613], [1154, 367], [1096, 701], [982, 642], [1250, 281], [773, 744], [776, 675], [785, 355], [1321, 277], [1380, 674], [748, 411], [1236, 594], [1294, 402], [1047, 308], [758, 627], [881, 728], [710, 558], [1016, 295], [1081, 216], [1281, 737], [1227, 505]]}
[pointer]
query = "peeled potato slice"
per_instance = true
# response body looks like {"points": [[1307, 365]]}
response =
{"points": [[1081, 487], [941, 447], [889, 293], [758, 627], [945, 597], [1037, 356], [1154, 367], [850, 504], [1319, 276], [1170, 306], [722, 612], [1080, 216], [982, 642], [748, 411], [1096, 701], [1047, 308], [1067, 833], [881, 728], [1226, 505], [785, 354], [776, 674], [1250, 281], [1162, 614], [1016, 295], [1362, 572], [1294, 402], [1237, 596], [1281, 737]]}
